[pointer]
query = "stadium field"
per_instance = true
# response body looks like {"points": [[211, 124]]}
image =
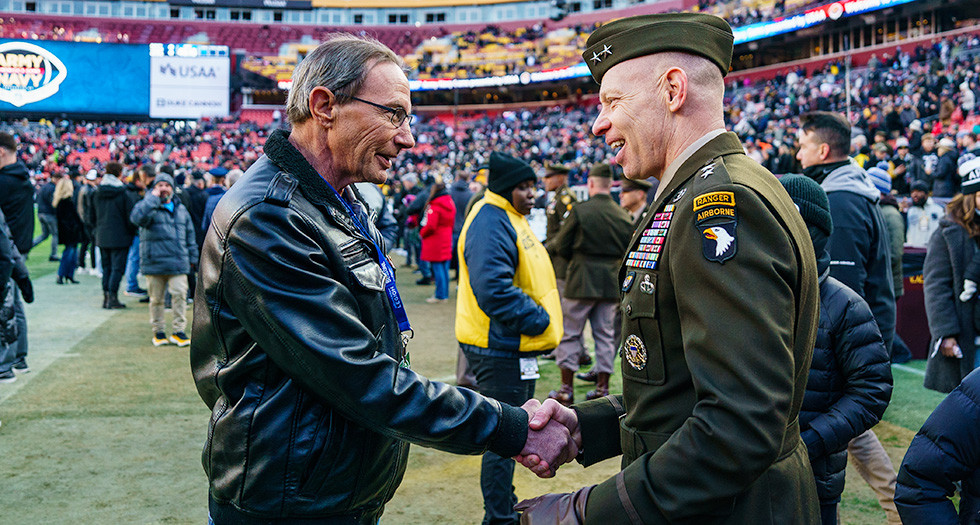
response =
{"points": [[109, 429]]}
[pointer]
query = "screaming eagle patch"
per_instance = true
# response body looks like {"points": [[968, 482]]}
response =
{"points": [[716, 221]]}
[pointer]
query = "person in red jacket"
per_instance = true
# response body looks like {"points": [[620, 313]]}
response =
{"points": [[437, 238]]}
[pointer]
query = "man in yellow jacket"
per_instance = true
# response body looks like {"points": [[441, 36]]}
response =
{"points": [[508, 310]]}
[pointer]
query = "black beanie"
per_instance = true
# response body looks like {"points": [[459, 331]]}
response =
{"points": [[812, 202], [506, 173]]}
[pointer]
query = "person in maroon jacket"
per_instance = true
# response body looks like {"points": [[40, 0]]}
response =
{"points": [[437, 238]]}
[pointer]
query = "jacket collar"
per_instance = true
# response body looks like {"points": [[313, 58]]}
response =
{"points": [[284, 155], [725, 144], [500, 202]]}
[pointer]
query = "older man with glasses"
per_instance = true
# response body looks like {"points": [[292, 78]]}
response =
{"points": [[300, 337]]}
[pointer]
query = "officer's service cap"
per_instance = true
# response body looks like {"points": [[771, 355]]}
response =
{"points": [[695, 33]]}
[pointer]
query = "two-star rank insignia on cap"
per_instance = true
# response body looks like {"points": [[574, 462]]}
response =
{"points": [[716, 220]]}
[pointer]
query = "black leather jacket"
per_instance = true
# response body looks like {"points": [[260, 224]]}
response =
{"points": [[295, 349]]}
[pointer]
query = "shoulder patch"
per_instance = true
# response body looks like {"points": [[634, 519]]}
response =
{"points": [[716, 222], [714, 198]]}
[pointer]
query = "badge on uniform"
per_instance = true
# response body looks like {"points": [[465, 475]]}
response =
{"points": [[647, 286], [628, 281], [635, 352], [716, 221], [678, 195]]}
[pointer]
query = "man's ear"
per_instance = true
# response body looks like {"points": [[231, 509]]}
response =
{"points": [[824, 151], [675, 86], [323, 105]]}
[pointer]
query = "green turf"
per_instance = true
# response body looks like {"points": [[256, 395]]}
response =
{"points": [[109, 429]]}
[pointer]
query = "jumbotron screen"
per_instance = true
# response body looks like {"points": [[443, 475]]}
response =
{"points": [[156, 80]]}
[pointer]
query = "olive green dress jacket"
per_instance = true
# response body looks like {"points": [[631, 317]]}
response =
{"points": [[556, 212], [720, 310], [593, 239]]}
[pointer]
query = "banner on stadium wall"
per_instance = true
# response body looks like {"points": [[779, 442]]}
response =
{"points": [[254, 4], [73, 77], [189, 88], [811, 17]]}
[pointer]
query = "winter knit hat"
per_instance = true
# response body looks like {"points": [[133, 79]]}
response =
{"points": [[970, 172], [163, 177], [506, 173], [881, 179], [811, 200]]}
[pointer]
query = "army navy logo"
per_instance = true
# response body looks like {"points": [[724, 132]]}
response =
{"points": [[647, 286], [635, 352], [718, 242], [678, 195], [628, 281]]}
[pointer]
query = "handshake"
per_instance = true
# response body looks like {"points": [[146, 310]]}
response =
{"points": [[553, 439]]}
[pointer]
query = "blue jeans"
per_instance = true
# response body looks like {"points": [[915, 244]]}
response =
{"points": [[499, 378], [440, 273], [69, 261], [133, 266], [425, 268], [16, 351]]}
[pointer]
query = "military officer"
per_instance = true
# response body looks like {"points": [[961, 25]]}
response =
{"points": [[633, 197], [593, 238], [556, 180], [719, 298]]}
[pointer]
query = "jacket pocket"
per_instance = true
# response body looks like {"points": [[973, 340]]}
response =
{"points": [[320, 456], [642, 347], [368, 274]]}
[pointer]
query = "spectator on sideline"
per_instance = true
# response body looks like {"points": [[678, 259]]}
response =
{"points": [[17, 205], [633, 198], [168, 251], [137, 188], [69, 228], [944, 458], [850, 380], [86, 210], [507, 309], [437, 236], [216, 188], [47, 217], [860, 257], [923, 216], [298, 287], [113, 231], [15, 279], [952, 349]]}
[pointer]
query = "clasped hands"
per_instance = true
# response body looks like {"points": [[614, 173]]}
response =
{"points": [[553, 437]]}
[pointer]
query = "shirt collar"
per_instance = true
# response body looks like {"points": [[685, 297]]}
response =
{"points": [[682, 158]]}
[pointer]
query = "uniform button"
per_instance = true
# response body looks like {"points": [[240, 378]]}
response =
{"points": [[629, 309]]}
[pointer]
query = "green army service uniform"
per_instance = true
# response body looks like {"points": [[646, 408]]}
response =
{"points": [[557, 211], [720, 309]]}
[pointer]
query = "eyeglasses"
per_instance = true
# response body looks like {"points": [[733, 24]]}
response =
{"points": [[398, 115]]}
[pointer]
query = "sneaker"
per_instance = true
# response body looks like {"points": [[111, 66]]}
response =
{"points": [[145, 299], [180, 339], [139, 292], [433, 300], [8, 377], [160, 339], [54, 259], [21, 367]]}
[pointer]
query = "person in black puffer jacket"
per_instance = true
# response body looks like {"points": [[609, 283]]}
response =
{"points": [[946, 450], [850, 379]]}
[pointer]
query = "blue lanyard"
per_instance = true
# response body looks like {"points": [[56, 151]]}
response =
{"points": [[391, 290]]}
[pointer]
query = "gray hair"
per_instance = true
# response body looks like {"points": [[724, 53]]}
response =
{"points": [[339, 64]]}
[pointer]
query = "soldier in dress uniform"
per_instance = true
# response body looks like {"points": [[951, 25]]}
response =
{"points": [[593, 238], [719, 298], [633, 198], [556, 180]]}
